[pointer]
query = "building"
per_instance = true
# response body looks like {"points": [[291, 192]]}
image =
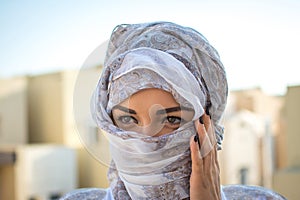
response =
{"points": [[13, 111], [13, 129], [37, 112], [59, 112], [287, 177], [251, 130]]}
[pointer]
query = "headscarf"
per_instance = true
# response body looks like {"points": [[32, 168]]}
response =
{"points": [[173, 58]]}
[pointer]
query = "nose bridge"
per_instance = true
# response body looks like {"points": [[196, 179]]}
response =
{"points": [[146, 125], [146, 120], [150, 122], [150, 126]]}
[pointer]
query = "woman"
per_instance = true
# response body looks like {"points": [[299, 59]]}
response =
{"points": [[160, 98]]}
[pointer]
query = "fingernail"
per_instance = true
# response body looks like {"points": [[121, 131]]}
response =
{"points": [[201, 120], [207, 111], [196, 138]]}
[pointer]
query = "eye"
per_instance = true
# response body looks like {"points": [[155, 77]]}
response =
{"points": [[173, 120], [127, 119]]}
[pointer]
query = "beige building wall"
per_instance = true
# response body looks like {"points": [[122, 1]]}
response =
{"points": [[44, 171], [293, 126], [255, 100], [13, 127], [287, 180], [59, 112], [241, 149], [79, 127], [7, 182], [13, 111], [45, 109], [70, 136], [252, 117]]}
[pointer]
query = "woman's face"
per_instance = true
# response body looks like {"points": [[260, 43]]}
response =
{"points": [[151, 112]]}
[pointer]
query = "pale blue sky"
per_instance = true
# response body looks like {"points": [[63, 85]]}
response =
{"points": [[258, 41]]}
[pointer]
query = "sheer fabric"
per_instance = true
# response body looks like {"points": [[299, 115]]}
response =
{"points": [[170, 57]]}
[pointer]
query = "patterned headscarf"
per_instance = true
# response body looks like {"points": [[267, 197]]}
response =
{"points": [[176, 59]]}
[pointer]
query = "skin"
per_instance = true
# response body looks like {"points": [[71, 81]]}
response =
{"points": [[205, 176], [155, 112], [151, 112]]}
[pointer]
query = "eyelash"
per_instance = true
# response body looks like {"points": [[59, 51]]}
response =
{"points": [[122, 118], [127, 119], [169, 118]]}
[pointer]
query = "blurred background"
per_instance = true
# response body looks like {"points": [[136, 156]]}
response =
{"points": [[51, 56]]}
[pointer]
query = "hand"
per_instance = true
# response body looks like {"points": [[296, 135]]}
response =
{"points": [[205, 176]]}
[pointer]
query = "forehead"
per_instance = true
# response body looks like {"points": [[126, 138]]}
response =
{"points": [[149, 97]]}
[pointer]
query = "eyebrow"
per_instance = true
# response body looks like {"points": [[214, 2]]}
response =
{"points": [[124, 109], [159, 112], [172, 109]]}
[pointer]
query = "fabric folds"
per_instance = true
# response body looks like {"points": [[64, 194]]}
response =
{"points": [[176, 59]]}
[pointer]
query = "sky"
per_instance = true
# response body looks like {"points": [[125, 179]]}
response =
{"points": [[258, 40]]}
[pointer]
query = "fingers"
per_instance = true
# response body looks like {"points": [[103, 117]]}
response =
{"points": [[197, 163], [209, 128], [206, 121], [205, 180], [205, 141]]}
